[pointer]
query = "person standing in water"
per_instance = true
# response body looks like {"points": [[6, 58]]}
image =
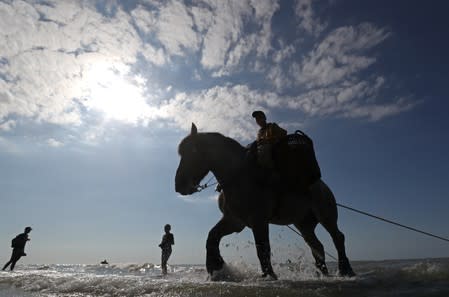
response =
{"points": [[167, 241], [18, 248]]}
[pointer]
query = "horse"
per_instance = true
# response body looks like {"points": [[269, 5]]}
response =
{"points": [[246, 202]]}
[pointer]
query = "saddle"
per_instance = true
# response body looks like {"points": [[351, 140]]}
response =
{"points": [[295, 163], [295, 160]]}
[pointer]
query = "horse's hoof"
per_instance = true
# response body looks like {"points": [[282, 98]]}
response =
{"points": [[215, 265], [322, 268], [272, 275], [345, 269], [227, 274], [346, 273]]}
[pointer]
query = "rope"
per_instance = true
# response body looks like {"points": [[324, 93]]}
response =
{"points": [[209, 180], [393, 223], [205, 186], [330, 255], [358, 211]]}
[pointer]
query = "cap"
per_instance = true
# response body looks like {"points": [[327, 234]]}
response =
{"points": [[28, 228], [258, 113]]}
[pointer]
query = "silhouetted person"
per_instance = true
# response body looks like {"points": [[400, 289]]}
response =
{"points": [[104, 262], [267, 136], [167, 241], [18, 245]]}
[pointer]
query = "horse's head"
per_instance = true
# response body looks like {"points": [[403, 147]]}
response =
{"points": [[192, 167]]}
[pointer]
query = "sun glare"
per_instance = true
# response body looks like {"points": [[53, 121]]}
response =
{"points": [[112, 92]]}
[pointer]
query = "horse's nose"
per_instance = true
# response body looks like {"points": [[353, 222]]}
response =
{"points": [[177, 188], [180, 187], [183, 185], [184, 188]]}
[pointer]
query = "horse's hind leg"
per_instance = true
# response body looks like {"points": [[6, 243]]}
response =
{"points": [[344, 267], [224, 227], [327, 214], [307, 229]]}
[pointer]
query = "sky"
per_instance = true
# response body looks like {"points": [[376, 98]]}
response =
{"points": [[95, 96]]}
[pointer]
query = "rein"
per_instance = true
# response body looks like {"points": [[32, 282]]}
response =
{"points": [[206, 185], [201, 187]]}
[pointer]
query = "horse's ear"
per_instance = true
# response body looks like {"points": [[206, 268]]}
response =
{"points": [[193, 130]]}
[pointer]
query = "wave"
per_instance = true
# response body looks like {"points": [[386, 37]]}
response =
{"points": [[428, 277]]}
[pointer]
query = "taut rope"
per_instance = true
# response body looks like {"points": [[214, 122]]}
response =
{"points": [[205, 186]]}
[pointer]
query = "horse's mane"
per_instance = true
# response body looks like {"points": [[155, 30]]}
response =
{"points": [[215, 137], [211, 139]]}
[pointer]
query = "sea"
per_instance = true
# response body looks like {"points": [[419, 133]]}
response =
{"points": [[411, 278]]}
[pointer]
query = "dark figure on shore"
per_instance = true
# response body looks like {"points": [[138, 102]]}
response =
{"points": [[104, 262], [18, 245], [167, 241]]}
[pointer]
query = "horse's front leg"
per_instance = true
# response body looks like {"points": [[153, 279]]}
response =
{"points": [[224, 227], [261, 237]]}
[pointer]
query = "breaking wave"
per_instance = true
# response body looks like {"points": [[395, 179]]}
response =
{"points": [[428, 277]]}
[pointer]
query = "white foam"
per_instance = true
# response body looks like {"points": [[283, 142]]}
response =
{"points": [[145, 279]]}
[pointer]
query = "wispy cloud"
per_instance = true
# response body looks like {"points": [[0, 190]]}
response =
{"points": [[222, 108], [340, 56], [7, 125], [47, 50], [54, 143], [351, 99], [308, 20], [172, 24]]}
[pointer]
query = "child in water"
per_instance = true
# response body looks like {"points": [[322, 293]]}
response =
{"points": [[167, 241]]}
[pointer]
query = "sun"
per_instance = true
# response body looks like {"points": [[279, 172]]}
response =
{"points": [[116, 94]]}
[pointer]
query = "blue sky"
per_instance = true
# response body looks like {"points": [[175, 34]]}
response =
{"points": [[96, 95]]}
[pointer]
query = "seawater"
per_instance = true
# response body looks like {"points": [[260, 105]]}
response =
{"points": [[411, 278]]}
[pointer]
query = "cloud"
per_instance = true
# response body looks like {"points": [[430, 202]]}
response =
{"points": [[333, 80], [54, 143], [157, 56], [339, 56], [225, 109], [175, 29], [378, 111], [216, 30], [212, 62], [8, 125], [350, 99], [172, 23], [47, 50], [307, 19], [226, 42]]}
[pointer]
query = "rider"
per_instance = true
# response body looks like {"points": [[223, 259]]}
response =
{"points": [[268, 135], [261, 149]]}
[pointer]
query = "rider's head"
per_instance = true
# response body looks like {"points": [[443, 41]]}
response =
{"points": [[260, 117], [28, 229], [167, 228]]}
